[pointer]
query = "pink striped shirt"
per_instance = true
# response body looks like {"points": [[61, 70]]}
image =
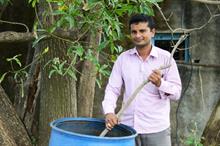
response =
{"points": [[150, 110]]}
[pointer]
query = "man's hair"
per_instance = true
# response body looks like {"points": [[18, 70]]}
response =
{"points": [[137, 18]]}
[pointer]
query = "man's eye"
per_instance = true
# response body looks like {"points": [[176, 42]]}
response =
{"points": [[133, 32], [142, 31]]}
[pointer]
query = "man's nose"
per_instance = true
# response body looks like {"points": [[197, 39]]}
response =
{"points": [[138, 34]]}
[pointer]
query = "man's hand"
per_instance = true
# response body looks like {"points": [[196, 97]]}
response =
{"points": [[155, 77], [111, 120]]}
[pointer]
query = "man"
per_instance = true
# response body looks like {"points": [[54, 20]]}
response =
{"points": [[149, 112]]}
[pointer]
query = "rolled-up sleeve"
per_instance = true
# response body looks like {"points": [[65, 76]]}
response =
{"points": [[113, 88], [171, 85]]}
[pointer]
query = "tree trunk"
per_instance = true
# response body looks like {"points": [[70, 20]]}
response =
{"points": [[211, 133], [12, 131], [33, 89], [58, 94], [5, 138], [86, 89]]}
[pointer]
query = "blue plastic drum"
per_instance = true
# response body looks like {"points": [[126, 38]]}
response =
{"points": [[86, 131]]}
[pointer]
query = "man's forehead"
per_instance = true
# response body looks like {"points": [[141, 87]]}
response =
{"points": [[139, 24]]}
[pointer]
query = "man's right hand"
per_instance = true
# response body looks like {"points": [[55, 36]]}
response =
{"points": [[111, 120]]}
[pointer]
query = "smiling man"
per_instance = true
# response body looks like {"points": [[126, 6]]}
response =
{"points": [[149, 112]]}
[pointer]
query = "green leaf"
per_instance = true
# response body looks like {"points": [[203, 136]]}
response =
{"points": [[89, 56], [118, 29], [61, 65], [113, 58], [45, 50], [51, 29], [60, 22], [15, 58], [102, 45], [56, 60], [33, 2], [72, 74], [58, 12], [124, 8], [103, 70], [17, 61], [2, 77], [16, 76], [189, 142], [118, 49], [54, 67], [51, 73], [70, 21], [79, 50], [98, 82]]}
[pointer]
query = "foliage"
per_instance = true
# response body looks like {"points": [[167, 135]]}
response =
{"points": [[2, 2], [89, 17], [20, 75], [33, 2], [193, 139]]}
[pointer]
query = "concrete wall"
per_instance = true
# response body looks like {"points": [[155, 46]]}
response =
{"points": [[201, 86], [200, 81]]}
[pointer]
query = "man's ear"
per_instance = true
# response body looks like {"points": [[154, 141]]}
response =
{"points": [[153, 31]]}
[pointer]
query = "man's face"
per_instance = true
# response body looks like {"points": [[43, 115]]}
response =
{"points": [[141, 34]]}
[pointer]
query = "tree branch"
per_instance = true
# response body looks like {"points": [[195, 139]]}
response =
{"points": [[16, 23], [166, 20], [185, 30], [10, 36], [208, 2]]}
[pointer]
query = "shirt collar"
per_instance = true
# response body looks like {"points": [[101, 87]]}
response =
{"points": [[153, 52], [133, 51]]}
